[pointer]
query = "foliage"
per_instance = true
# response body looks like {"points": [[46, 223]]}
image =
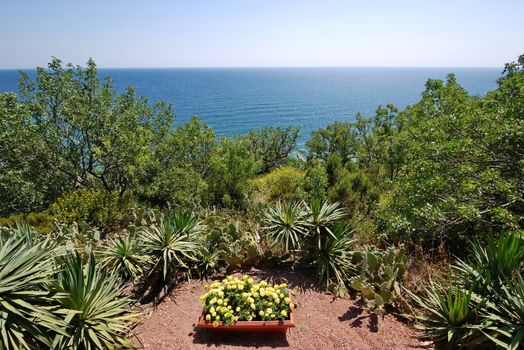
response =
{"points": [[492, 263], [272, 146], [172, 243], [93, 207], [235, 299], [93, 136], [285, 183], [484, 304], [231, 165], [27, 311], [382, 274], [28, 180], [452, 313], [181, 164], [316, 181], [238, 243], [286, 224], [463, 167], [93, 306], [123, 256], [334, 260], [504, 323], [338, 138], [42, 222]]}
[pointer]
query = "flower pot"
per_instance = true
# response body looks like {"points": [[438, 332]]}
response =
{"points": [[277, 326]]}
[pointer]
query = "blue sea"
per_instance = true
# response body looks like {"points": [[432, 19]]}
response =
{"points": [[235, 100]]}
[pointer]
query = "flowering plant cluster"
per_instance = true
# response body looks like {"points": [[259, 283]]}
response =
{"points": [[235, 299]]}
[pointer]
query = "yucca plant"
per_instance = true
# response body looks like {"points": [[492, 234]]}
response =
{"points": [[493, 262], [173, 243], [334, 259], [27, 312], [209, 260], [321, 217], [450, 314], [286, 224], [123, 256], [93, 306], [504, 318]]}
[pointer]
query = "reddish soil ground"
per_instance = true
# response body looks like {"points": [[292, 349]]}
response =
{"points": [[321, 323]]}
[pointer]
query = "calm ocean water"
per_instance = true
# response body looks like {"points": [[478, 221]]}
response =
{"points": [[239, 99]]}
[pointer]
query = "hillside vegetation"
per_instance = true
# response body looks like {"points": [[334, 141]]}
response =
{"points": [[101, 189]]}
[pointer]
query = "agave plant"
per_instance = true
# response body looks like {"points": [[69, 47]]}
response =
{"points": [[93, 307], [493, 262], [173, 243], [27, 314], [321, 217], [123, 256], [451, 312], [334, 259], [286, 224]]}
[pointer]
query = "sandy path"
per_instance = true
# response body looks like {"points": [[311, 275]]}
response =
{"points": [[321, 323]]}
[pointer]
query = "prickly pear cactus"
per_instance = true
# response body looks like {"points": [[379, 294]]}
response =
{"points": [[381, 274]]}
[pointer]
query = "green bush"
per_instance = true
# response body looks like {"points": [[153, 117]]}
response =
{"points": [[285, 183], [42, 222], [93, 207]]}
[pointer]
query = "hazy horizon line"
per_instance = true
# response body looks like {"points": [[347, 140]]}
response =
{"points": [[268, 67]]}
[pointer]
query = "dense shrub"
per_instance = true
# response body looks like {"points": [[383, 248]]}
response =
{"points": [[285, 183], [43, 222], [99, 208]]}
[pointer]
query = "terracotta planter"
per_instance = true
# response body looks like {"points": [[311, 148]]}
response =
{"points": [[250, 326]]}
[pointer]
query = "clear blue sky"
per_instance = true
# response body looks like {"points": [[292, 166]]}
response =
{"points": [[238, 33]]}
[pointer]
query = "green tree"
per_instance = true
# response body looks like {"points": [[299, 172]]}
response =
{"points": [[94, 136], [28, 181], [232, 164], [272, 146]]}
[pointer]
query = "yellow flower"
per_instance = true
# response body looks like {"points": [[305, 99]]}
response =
{"points": [[241, 287], [269, 310], [281, 295], [208, 317], [287, 300], [292, 306], [263, 283], [283, 313], [283, 285], [212, 301], [220, 301], [274, 296], [250, 281], [217, 318], [229, 277], [215, 324], [238, 309], [253, 306], [261, 313], [212, 309], [202, 297], [249, 318], [244, 277]]}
